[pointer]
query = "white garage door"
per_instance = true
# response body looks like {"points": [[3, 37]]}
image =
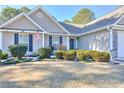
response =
{"points": [[120, 43]]}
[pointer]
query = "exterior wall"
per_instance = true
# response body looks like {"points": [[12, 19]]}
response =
{"points": [[46, 23], [22, 23], [7, 40], [0, 39], [95, 41]]}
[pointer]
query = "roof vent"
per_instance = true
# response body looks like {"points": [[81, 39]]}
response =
{"points": [[39, 14]]}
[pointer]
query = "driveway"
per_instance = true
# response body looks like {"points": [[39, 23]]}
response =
{"points": [[61, 75]]}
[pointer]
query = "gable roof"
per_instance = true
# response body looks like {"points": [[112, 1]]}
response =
{"points": [[51, 17], [106, 20], [17, 17], [109, 19]]}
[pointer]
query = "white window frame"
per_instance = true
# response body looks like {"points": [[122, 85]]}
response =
{"points": [[55, 41], [24, 39]]}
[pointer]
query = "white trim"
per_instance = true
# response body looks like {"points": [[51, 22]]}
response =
{"points": [[118, 26], [111, 39], [76, 42], [18, 16], [57, 34], [68, 43], [19, 31], [50, 17], [96, 30], [0, 40], [43, 39], [119, 20]]}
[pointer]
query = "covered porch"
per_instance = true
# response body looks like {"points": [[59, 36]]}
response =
{"points": [[36, 39]]}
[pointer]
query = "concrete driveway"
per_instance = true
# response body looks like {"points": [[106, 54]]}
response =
{"points": [[61, 75]]}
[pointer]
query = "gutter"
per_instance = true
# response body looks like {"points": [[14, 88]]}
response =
{"points": [[96, 30]]}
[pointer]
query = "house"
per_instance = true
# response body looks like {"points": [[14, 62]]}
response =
{"points": [[103, 34]]}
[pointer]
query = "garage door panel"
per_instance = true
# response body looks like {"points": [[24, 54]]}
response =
{"points": [[120, 43]]}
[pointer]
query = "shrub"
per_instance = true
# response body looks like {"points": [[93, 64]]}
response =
{"points": [[0, 52], [95, 55], [45, 52], [84, 54], [18, 50], [101, 56], [4, 55], [69, 55], [59, 54]]}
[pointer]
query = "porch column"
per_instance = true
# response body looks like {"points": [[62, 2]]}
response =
{"points": [[76, 43], [43, 38], [1, 40], [111, 39], [68, 43]]}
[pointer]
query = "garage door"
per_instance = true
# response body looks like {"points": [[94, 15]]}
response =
{"points": [[120, 43]]}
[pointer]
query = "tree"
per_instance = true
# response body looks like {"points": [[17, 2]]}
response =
{"points": [[83, 16], [67, 21], [9, 12], [23, 9]]}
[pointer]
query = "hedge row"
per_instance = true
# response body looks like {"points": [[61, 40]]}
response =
{"points": [[83, 55]]}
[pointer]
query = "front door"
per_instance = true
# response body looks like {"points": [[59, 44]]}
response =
{"points": [[71, 43]]}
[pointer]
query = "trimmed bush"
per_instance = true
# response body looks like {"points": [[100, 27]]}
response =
{"points": [[101, 56], [95, 55], [83, 54], [18, 50], [4, 55], [59, 54], [45, 52], [69, 55]]}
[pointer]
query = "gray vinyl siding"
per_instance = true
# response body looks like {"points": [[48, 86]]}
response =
{"points": [[95, 41]]}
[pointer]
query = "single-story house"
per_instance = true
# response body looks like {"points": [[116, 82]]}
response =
{"points": [[39, 29]]}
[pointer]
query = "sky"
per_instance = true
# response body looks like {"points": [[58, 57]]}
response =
{"points": [[62, 12]]}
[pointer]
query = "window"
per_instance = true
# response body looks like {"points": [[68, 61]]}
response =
{"points": [[24, 39], [55, 42]]}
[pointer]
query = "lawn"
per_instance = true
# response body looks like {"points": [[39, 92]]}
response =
{"points": [[61, 75]]}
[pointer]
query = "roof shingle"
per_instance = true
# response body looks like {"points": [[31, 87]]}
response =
{"points": [[106, 20]]}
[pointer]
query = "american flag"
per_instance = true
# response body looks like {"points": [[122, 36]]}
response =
{"points": [[37, 36]]}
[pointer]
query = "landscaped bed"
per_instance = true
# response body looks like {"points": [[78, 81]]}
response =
{"points": [[14, 61]]}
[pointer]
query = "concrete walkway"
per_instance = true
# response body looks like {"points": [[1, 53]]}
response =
{"points": [[61, 75]]}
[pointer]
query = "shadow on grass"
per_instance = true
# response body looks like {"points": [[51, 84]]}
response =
{"points": [[65, 76]]}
